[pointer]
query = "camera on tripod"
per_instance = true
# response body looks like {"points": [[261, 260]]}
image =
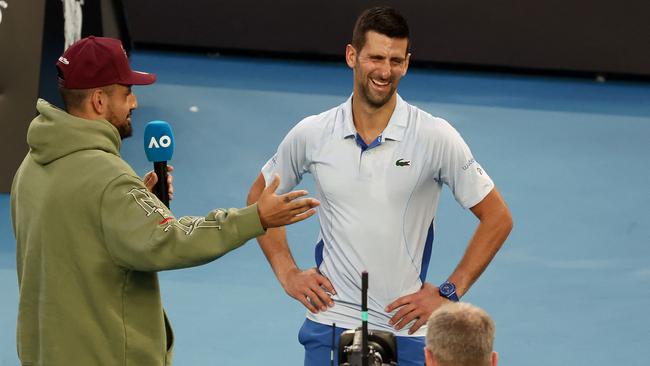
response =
{"points": [[382, 348], [361, 347]]}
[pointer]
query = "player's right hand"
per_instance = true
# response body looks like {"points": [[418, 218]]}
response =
{"points": [[285, 209], [150, 179], [310, 288]]}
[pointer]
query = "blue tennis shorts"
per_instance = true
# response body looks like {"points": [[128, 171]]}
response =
{"points": [[317, 340]]}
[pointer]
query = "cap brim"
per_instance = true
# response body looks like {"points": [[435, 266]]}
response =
{"points": [[141, 78]]}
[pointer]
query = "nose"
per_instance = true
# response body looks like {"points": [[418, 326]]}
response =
{"points": [[384, 70], [134, 101]]}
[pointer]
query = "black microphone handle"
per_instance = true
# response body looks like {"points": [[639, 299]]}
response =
{"points": [[160, 189]]}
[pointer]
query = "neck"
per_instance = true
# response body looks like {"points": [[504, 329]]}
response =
{"points": [[85, 113], [369, 121]]}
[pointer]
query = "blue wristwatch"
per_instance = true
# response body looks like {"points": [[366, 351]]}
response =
{"points": [[448, 290]]}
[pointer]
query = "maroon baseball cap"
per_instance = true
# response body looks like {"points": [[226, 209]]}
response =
{"points": [[93, 62]]}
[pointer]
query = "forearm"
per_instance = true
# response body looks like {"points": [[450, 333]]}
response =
{"points": [[276, 249], [485, 243], [494, 227], [141, 233], [191, 240], [274, 242]]}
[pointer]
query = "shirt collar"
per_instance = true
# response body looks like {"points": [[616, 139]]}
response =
{"points": [[348, 123], [393, 131]]}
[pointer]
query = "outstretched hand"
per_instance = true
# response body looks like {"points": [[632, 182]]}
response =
{"points": [[284, 209], [150, 179]]}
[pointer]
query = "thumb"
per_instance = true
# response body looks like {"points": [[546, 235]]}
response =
{"points": [[275, 183]]}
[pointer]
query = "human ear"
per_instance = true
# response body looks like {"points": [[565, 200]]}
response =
{"points": [[98, 101], [350, 55]]}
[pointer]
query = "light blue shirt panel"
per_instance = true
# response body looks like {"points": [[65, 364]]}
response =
{"points": [[374, 214]]}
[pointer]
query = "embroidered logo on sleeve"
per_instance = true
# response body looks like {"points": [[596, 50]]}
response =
{"points": [[164, 221], [148, 203], [151, 206]]}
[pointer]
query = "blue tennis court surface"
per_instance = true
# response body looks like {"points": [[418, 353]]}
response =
{"points": [[571, 286]]}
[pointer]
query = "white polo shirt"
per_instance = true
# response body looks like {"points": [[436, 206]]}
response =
{"points": [[378, 202]]}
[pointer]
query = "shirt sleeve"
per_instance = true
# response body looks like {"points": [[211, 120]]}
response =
{"points": [[468, 181], [290, 161], [140, 233]]}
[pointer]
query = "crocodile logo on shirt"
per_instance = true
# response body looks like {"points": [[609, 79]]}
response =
{"points": [[402, 162]]}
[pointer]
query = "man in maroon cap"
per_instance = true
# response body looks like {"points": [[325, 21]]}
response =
{"points": [[91, 237], [95, 81]]}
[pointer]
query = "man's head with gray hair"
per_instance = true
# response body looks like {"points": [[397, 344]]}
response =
{"points": [[460, 334]]}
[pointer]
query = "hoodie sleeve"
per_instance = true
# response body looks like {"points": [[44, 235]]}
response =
{"points": [[141, 233]]}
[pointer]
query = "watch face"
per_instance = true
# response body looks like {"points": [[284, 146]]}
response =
{"points": [[447, 289]]}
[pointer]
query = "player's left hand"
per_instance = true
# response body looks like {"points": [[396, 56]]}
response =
{"points": [[418, 306], [150, 179]]}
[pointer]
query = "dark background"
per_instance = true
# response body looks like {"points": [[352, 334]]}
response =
{"points": [[21, 32], [31, 40], [577, 38], [596, 36]]}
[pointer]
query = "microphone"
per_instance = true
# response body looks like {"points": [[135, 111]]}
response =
{"points": [[159, 147]]}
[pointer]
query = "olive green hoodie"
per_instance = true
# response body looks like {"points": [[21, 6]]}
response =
{"points": [[90, 239]]}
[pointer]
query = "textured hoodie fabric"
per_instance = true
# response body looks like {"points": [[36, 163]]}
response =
{"points": [[90, 239]]}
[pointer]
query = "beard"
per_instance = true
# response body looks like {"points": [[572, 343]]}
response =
{"points": [[373, 100], [125, 130], [123, 127]]}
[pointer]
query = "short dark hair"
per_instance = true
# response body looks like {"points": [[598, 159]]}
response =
{"points": [[75, 98], [381, 19]]}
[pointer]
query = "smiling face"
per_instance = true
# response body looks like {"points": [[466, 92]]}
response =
{"points": [[121, 102], [378, 68]]}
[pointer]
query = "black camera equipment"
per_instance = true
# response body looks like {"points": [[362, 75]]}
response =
{"points": [[361, 347]]}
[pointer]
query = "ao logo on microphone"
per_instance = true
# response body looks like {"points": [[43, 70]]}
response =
{"points": [[164, 142], [158, 141]]}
